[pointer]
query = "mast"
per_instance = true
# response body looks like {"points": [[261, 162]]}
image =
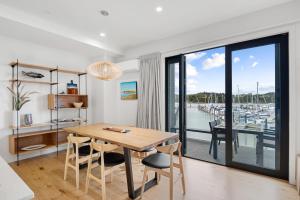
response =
{"points": [[257, 84]]}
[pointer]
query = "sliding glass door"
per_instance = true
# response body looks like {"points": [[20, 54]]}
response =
{"points": [[229, 104], [257, 105], [205, 103]]}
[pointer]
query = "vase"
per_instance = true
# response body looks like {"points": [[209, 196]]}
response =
{"points": [[16, 119]]}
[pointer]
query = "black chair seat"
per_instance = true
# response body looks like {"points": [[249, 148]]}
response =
{"points": [[85, 150], [112, 159], [157, 160]]}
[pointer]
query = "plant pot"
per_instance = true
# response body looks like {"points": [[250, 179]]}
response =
{"points": [[16, 119]]}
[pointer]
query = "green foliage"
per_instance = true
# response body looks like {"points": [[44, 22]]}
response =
{"points": [[210, 97], [20, 98]]}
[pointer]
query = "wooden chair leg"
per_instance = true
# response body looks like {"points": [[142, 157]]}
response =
{"points": [[158, 178], [182, 175], [171, 184], [77, 175], [144, 181], [103, 185], [67, 162], [87, 183]]}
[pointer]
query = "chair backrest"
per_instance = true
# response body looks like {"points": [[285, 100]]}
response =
{"points": [[212, 125], [269, 138], [100, 147], [169, 149], [77, 140]]}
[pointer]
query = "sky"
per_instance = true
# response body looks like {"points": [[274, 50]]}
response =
{"points": [[126, 86], [205, 70]]}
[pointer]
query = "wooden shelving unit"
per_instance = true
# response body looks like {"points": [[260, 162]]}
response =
{"points": [[66, 101], [47, 68], [53, 136], [48, 137]]}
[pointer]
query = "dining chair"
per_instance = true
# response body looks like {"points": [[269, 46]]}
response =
{"points": [[77, 149], [163, 164], [108, 160], [220, 135], [266, 139], [140, 155]]}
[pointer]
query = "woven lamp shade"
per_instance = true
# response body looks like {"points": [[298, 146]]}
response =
{"points": [[104, 70]]}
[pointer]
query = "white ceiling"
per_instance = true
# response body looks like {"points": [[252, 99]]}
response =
{"points": [[130, 23]]}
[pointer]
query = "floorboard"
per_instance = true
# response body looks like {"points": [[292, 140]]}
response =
{"points": [[204, 181]]}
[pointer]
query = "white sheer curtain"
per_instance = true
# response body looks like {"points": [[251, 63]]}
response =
{"points": [[149, 92]]}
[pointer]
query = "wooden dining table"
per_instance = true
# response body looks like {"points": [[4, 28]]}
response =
{"points": [[137, 139]]}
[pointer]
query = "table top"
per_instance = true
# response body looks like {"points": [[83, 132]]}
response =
{"points": [[244, 128], [12, 187], [138, 139]]}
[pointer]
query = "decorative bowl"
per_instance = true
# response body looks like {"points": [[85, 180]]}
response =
{"points": [[77, 104]]}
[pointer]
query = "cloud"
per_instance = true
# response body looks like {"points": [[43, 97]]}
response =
{"points": [[216, 60], [194, 56], [236, 60], [251, 57], [191, 70], [254, 64], [192, 86]]}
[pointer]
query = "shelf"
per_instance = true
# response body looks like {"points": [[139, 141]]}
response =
{"points": [[47, 68], [69, 108], [66, 123], [47, 137], [66, 101], [38, 125], [31, 66], [31, 151], [29, 134], [67, 71], [32, 81]]}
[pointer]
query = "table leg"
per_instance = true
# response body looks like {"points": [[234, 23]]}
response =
{"points": [[260, 151], [132, 193], [215, 147]]}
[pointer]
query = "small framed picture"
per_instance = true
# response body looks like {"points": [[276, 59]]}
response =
{"points": [[128, 90], [28, 119]]}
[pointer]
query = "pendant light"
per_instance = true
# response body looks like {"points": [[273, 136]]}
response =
{"points": [[104, 70]]}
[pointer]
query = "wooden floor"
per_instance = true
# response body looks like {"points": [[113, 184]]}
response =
{"points": [[205, 181]]}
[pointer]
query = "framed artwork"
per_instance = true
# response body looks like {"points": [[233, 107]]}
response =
{"points": [[128, 90]]}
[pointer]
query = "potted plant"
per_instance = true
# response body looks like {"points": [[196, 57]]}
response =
{"points": [[20, 98]]}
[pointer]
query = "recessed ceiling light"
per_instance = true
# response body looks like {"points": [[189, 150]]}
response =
{"points": [[102, 34], [159, 9], [105, 13]]}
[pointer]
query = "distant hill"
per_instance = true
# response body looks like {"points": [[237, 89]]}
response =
{"points": [[205, 97]]}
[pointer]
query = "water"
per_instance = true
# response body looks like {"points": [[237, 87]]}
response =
{"points": [[198, 119]]}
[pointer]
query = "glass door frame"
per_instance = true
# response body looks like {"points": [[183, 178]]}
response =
{"points": [[182, 112], [281, 87], [282, 73]]}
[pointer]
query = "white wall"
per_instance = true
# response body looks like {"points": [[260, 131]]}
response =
{"points": [[275, 20], [12, 49], [119, 111]]}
